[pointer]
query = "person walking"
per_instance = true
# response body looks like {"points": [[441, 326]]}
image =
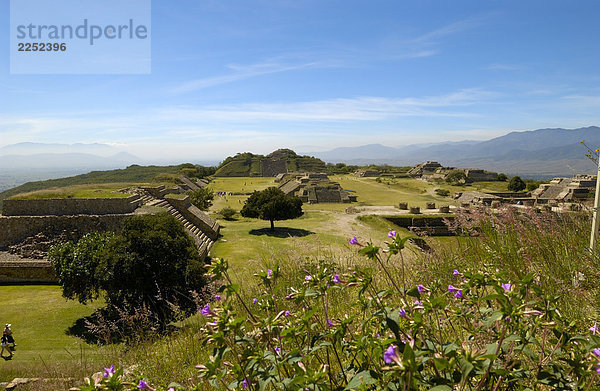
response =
{"points": [[9, 335], [4, 345]]}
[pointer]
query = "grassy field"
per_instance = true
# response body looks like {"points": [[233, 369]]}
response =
{"points": [[40, 318]]}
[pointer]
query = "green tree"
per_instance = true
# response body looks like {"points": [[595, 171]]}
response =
{"points": [[456, 177], [272, 204], [153, 264], [502, 177], [202, 198], [516, 184]]}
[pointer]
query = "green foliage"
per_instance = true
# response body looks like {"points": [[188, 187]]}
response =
{"points": [[151, 265], [272, 204], [442, 192], [456, 177], [482, 331], [502, 177], [516, 184], [202, 198], [227, 213], [532, 184]]}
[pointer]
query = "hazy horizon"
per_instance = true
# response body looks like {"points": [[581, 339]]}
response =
{"points": [[235, 76]]}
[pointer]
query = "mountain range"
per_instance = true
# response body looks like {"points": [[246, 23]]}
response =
{"points": [[541, 153]]}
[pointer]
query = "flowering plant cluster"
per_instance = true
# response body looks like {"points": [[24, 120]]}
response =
{"points": [[112, 379], [482, 332]]}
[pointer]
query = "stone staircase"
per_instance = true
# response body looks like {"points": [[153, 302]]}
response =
{"points": [[203, 242]]}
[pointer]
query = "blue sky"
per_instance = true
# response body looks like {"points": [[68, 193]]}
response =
{"points": [[233, 76]]}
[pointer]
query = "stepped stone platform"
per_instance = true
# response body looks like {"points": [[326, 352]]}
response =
{"points": [[27, 234]]}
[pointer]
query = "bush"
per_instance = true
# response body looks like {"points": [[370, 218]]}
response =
{"points": [[227, 213], [516, 184], [152, 265], [442, 192], [502, 177], [202, 198], [456, 177]]}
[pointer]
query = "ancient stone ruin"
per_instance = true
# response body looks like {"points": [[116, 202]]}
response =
{"points": [[367, 173], [432, 171], [315, 188], [566, 189], [29, 227]]}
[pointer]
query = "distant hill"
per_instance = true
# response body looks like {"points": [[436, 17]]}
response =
{"points": [[538, 153], [248, 164]]}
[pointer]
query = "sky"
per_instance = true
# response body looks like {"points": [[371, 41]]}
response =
{"points": [[312, 75]]}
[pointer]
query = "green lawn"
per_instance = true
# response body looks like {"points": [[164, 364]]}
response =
{"points": [[40, 317]]}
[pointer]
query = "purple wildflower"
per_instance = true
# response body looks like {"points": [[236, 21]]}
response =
{"points": [[402, 313], [596, 352], [391, 355], [418, 303], [455, 273], [452, 289], [205, 310], [353, 240], [254, 300], [598, 368], [287, 313], [308, 277], [217, 298], [244, 383], [594, 329], [108, 372], [421, 288], [142, 385], [392, 234], [329, 323], [336, 279], [506, 287], [459, 294], [277, 350]]}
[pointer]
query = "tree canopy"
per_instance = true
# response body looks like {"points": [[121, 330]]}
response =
{"points": [[456, 176], [153, 264], [516, 184], [272, 204], [202, 198]]}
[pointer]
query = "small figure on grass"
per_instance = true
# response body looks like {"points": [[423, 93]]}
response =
{"points": [[9, 335], [4, 345]]}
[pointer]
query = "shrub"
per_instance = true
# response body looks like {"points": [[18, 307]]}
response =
{"points": [[442, 192], [516, 184], [152, 265], [202, 198], [502, 177], [227, 213], [456, 177]]}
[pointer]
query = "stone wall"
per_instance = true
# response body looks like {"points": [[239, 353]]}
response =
{"points": [[15, 229], [27, 272], [273, 167], [69, 206]]}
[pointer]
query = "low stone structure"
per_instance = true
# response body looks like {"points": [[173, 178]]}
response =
{"points": [[367, 173], [428, 167], [565, 189], [271, 167], [435, 171], [316, 188]]}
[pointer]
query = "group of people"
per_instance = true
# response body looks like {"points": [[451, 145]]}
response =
{"points": [[7, 340]]}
